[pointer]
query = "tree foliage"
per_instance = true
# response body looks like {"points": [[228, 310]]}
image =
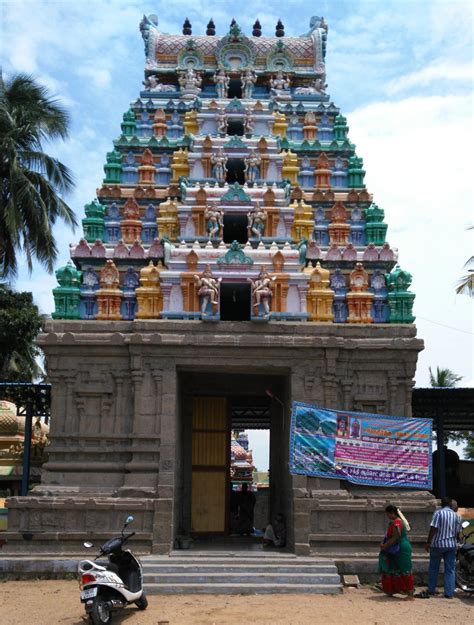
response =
{"points": [[444, 378], [32, 184], [20, 323]]}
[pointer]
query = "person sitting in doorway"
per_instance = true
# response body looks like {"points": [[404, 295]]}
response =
{"points": [[275, 535], [246, 503]]}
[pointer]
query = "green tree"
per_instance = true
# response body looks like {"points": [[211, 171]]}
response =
{"points": [[444, 378], [32, 183], [20, 323], [466, 283]]}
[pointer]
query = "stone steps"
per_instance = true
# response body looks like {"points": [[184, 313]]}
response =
{"points": [[239, 573]]}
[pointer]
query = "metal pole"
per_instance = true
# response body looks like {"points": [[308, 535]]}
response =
{"points": [[25, 478], [441, 455]]}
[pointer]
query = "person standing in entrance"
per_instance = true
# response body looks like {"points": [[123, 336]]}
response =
{"points": [[441, 544], [246, 502]]}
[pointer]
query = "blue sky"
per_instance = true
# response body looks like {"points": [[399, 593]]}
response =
{"points": [[401, 71]]}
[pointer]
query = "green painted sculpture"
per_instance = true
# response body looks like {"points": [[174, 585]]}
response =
{"points": [[93, 223], [129, 124], [113, 168], [67, 294], [356, 173], [400, 299], [375, 229]]}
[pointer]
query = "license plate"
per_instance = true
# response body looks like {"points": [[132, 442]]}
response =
{"points": [[88, 594]]}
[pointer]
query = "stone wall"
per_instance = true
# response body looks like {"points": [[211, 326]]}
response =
{"points": [[116, 443]]}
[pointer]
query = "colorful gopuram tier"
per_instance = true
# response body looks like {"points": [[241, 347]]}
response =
{"points": [[234, 193]]}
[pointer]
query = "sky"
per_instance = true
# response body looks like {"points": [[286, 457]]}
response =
{"points": [[400, 70]]}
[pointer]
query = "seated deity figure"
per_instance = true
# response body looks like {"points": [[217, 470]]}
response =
{"points": [[279, 84], [221, 121], [219, 160], [256, 221], [261, 289], [189, 81], [208, 289], [222, 83], [249, 124], [252, 166], [152, 83], [248, 81], [214, 221]]}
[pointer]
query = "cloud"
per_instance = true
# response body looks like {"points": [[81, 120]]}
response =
{"points": [[440, 73]]}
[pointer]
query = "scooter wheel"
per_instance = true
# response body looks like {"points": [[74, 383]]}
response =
{"points": [[100, 613], [142, 603]]}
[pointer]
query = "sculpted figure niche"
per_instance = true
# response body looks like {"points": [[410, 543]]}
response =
{"points": [[262, 292], [208, 291], [214, 222], [257, 218]]}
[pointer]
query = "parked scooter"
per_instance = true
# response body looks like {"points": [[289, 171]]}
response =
{"points": [[465, 559], [115, 585]]}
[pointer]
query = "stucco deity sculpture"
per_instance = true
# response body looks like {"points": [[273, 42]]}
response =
{"points": [[257, 218], [214, 221], [208, 290], [221, 121], [222, 83], [219, 160], [280, 84], [190, 81], [318, 86], [248, 81], [249, 124], [152, 83], [262, 291], [252, 166]]}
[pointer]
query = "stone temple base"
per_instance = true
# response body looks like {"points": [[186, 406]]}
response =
{"points": [[120, 427]]}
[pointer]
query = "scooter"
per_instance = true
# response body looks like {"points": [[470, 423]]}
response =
{"points": [[465, 559], [115, 585]]}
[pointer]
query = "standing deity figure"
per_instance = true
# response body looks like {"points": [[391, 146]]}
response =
{"points": [[249, 124], [256, 219], [221, 121], [208, 289], [262, 292], [219, 160], [279, 84], [190, 81], [214, 221], [222, 83], [252, 166], [248, 81]]}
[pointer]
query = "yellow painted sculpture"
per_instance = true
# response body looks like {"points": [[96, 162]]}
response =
{"points": [[149, 295], [191, 126], [359, 300], [290, 167], [303, 220], [320, 296], [280, 124], [167, 220], [180, 165], [109, 296]]}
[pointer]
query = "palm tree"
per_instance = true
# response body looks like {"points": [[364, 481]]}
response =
{"points": [[32, 183], [466, 283], [444, 378]]}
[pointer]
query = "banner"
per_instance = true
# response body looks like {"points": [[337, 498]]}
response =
{"points": [[363, 448]]}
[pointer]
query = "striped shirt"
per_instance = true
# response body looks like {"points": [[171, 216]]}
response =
{"points": [[448, 524]]}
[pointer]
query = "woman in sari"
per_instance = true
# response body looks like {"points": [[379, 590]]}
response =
{"points": [[395, 555]]}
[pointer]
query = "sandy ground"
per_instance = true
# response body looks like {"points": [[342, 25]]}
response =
{"points": [[57, 603]]}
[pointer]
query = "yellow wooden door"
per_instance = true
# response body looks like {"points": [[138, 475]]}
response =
{"points": [[210, 464]]}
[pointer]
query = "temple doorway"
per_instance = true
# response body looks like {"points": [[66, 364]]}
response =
{"points": [[235, 228], [235, 301], [235, 171], [235, 89], [235, 127], [217, 458]]}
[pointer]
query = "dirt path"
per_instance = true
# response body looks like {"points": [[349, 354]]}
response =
{"points": [[57, 603]]}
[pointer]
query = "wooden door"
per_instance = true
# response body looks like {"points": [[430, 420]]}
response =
{"points": [[210, 465]]}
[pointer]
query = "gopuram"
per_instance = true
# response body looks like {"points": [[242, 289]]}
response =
{"points": [[233, 261]]}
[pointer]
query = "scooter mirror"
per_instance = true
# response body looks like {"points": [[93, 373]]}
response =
{"points": [[465, 524], [129, 520], [88, 544]]}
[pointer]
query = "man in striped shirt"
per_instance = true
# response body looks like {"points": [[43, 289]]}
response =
{"points": [[441, 545]]}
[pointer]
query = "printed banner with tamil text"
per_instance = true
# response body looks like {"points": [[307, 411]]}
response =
{"points": [[363, 448]]}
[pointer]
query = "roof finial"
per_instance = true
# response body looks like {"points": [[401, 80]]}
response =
{"points": [[211, 28], [187, 28], [257, 29], [233, 22], [280, 29]]}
